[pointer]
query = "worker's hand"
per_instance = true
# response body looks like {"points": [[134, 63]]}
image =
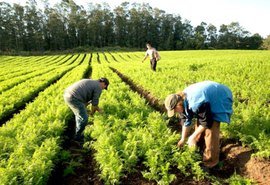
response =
{"points": [[95, 109], [192, 141], [100, 110], [89, 111], [181, 143]]}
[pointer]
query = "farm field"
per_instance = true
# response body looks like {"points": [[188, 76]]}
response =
{"points": [[133, 141]]}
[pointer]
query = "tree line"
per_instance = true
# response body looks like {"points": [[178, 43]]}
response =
{"points": [[66, 25]]}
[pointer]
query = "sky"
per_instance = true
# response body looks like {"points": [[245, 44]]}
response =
{"points": [[252, 15]]}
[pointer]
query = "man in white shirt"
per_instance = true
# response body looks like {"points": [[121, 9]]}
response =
{"points": [[153, 55]]}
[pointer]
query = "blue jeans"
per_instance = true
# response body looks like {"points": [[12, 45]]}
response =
{"points": [[81, 116]]}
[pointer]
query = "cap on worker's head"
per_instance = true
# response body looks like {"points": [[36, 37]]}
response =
{"points": [[170, 103], [106, 82]]}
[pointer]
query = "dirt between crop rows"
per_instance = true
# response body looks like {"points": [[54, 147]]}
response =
{"points": [[240, 159], [233, 156]]}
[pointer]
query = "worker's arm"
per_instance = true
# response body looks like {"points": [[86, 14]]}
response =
{"points": [[146, 55], [95, 108], [185, 131]]}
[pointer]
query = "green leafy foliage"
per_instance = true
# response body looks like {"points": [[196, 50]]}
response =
{"points": [[246, 73], [236, 179], [129, 133], [30, 141]]}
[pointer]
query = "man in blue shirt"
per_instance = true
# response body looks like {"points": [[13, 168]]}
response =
{"points": [[209, 102], [79, 95]]}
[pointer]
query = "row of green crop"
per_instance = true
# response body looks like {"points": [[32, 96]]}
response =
{"points": [[112, 57], [129, 133], [245, 72], [5, 58], [30, 141], [12, 68], [22, 62], [24, 66], [14, 98], [33, 66], [9, 81]]}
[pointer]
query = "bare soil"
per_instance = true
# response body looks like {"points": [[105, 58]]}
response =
{"points": [[234, 157], [251, 167]]}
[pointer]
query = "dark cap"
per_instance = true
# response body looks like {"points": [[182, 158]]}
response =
{"points": [[171, 102], [106, 82]]}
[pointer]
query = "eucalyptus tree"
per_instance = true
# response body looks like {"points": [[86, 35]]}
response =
{"points": [[120, 24], [67, 25], [149, 26], [108, 36], [56, 30], [166, 32], [200, 36], [253, 42], [134, 26], [82, 28], [95, 27], [46, 35], [156, 26], [6, 26], [231, 36], [187, 39], [178, 33], [223, 37], [18, 30], [76, 24], [34, 27], [266, 43], [73, 22], [212, 36]]}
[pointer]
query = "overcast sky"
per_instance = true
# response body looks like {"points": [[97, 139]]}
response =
{"points": [[252, 15]]}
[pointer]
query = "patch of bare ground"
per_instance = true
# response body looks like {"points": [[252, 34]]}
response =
{"points": [[88, 174], [234, 157], [84, 174], [259, 170], [239, 159]]}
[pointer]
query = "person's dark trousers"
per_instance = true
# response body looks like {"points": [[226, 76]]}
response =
{"points": [[81, 116], [153, 63]]}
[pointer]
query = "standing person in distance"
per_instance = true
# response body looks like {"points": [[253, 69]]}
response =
{"points": [[78, 96], [209, 102], [153, 55]]}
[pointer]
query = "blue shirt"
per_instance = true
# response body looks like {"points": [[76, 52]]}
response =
{"points": [[217, 95]]}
